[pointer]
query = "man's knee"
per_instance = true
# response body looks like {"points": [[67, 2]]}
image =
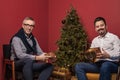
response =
{"points": [[28, 60], [79, 66], [106, 66]]}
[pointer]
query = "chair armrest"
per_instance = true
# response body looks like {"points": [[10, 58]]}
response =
{"points": [[7, 61]]}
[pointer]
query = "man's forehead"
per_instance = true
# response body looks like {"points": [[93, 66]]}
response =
{"points": [[29, 21], [100, 22]]}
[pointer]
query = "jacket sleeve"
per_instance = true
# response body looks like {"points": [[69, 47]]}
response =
{"points": [[38, 48]]}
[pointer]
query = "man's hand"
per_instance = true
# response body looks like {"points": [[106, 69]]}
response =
{"points": [[103, 54], [99, 55], [51, 56], [42, 57]]}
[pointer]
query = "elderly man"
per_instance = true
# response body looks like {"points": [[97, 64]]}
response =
{"points": [[27, 53]]}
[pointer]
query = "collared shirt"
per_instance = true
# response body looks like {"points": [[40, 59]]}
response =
{"points": [[28, 38], [110, 43]]}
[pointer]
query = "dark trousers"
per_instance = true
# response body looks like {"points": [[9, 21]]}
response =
{"points": [[105, 68], [29, 66]]}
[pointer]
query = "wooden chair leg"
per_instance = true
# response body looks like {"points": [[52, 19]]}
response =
{"points": [[4, 71], [118, 74], [13, 71]]}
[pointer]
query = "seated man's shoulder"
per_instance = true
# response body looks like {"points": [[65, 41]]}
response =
{"points": [[15, 38], [113, 35]]}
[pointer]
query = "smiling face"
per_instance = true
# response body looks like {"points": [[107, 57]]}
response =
{"points": [[28, 26], [100, 26]]}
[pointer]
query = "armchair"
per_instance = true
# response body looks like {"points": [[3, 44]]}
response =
{"points": [[9, 66], [90, 53]]}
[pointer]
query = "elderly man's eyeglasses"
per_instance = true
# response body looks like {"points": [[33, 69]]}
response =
{"points": [[29, 25]]}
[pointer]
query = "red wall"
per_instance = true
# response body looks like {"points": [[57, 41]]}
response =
{"points": [[87, 10], [12, 12], [48, 15]]}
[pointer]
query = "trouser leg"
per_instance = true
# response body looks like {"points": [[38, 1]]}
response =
{"points": [[26, 66], [82, 68], [45, 70], [106, 69]]}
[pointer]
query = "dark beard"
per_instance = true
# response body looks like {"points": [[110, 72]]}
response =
{"points": [[102, 32]]}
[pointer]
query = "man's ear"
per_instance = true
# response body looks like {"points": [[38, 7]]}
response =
{"points": [[22, 25]]}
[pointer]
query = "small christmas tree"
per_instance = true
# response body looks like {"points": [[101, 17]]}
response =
{"points": [[72, 41]]}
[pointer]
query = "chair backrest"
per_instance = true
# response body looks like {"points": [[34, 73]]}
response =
{"points": [[6, 51]]}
